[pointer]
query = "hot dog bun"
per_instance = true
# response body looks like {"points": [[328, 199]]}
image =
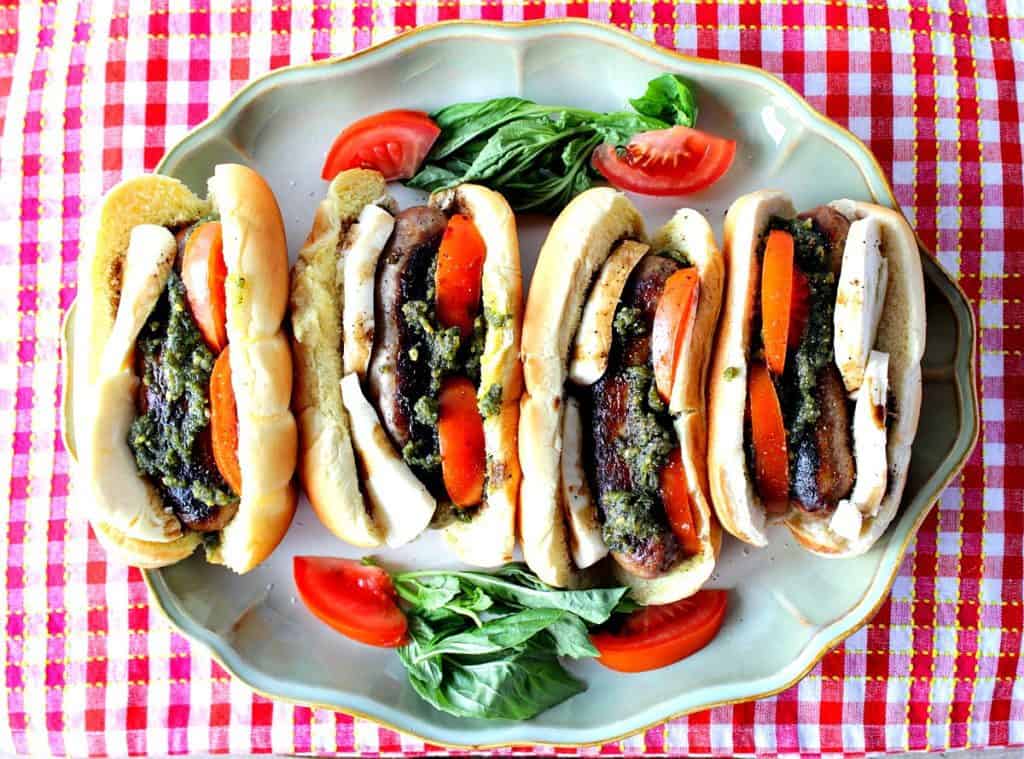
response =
{"points": [[124, 507], [582, 238], [901, 334], [350, 502]]}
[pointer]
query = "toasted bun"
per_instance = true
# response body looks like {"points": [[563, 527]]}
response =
{"points": [[732, 490], [901, 334], [688, 232], [125, 508], [489, 538], [328, 466], [578, 244]]}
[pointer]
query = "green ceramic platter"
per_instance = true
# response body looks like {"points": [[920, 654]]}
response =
{"points": [[788, 608]]}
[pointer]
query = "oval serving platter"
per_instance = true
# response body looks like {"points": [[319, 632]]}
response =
{"points": [[788, 608]]}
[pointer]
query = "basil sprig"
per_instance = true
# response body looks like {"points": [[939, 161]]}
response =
{"points": [[487, 645], [538, 156]]}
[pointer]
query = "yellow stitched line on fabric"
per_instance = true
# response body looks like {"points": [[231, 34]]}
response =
{"points": [[969, 720], [457, 3], [924, 678], [66, 660], [80, 610], [938, 522], [701, 27], [915, 198], [107, 683], [906, 652]]}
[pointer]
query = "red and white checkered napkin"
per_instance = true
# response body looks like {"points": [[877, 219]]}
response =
{"points": [[91, 93]]}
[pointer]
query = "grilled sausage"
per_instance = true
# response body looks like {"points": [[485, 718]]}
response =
{"points": [[652, 556], [825, 468], [395, 380], [836, 227]]}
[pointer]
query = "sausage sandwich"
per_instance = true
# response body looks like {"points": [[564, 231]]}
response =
{"points": [[815, 390], [406, 335], [616, 343], [182, 374]]}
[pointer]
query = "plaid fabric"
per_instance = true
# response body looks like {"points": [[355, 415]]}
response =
{"points": [[91, 93]]}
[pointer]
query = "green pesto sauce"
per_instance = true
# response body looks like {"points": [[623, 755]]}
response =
{"points": [[489, 404], [475, 349], [163, 440], [628, 322], [629, 519]]}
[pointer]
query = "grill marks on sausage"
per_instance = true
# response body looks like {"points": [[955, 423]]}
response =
{"points": [[395, 380], [609, 410], [825, 468]]}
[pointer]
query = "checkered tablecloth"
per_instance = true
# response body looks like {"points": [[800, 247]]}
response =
{"points": [[91, 93]]}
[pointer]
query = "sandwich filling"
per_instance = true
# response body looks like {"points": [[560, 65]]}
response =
{"points": [[635, 466], [171, 438], [799, 430]]}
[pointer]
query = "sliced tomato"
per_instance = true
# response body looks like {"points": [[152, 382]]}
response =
{"points": [[203, 273], [656, 636], [224, 422], [799, 307], [672, 161], [356, 599], [776, 297], [769, 438], [673, 320], [460, 430], [676, 498], [460, 262], [392, 142]]}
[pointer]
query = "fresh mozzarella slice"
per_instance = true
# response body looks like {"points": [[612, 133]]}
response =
{"points": [[859, 299], [147, 264], [366, 239], [585, 538], [589, 358], [402, 505], [869, 449]]}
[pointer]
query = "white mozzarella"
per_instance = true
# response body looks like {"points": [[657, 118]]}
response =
{"points": [[860, 297], [147, 264], [585, 538], [402, 505], [366, 239], [593, 342], [869, 449]]}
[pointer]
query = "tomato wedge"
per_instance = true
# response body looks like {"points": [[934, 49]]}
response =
{"points": [[224, 422], [656, 636], [461, 432], [673, 161], [776, 297], [800, 308], [676, 498], [673, 320], [356, 599], [769, 438], [460, 262], [203, 273], [392, 142]]}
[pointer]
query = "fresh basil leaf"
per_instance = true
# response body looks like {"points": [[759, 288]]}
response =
{"points": [[430, 592], [594, 605], [669, 99], [433, 177], [617, 128], [515, 146], [516, 687], [496, 634], [427, 671], [463, 122], [569, 637]]}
